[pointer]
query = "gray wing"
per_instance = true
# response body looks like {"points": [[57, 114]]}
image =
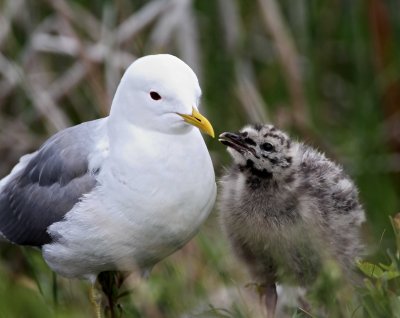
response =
{"points": [[49, 184]]}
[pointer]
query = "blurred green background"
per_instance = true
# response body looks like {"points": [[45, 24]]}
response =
{"points": [[326, 71]]}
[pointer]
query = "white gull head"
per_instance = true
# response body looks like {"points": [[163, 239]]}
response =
{"points": [[159, 93]]}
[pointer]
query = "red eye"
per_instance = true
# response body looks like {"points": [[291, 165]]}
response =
{"points": [[155, 95]]}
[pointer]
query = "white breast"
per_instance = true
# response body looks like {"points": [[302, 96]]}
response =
{"points": [[151, 200]]}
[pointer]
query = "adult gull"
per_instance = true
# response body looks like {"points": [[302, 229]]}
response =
{"points": [[121, 192]]}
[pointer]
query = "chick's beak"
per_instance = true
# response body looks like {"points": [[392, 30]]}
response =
{"points": [[232, 140], [236, 142], [198, 120]]}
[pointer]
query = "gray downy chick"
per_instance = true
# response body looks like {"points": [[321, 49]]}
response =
{"points": [[286, 208]]}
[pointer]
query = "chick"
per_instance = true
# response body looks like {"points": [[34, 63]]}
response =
{"points": [[286, 209]]}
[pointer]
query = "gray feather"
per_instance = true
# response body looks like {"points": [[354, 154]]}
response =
{"points": [[51, 183], [287, 209]]}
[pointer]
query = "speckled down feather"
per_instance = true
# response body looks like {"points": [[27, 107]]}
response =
{"points": [[286, 208]]}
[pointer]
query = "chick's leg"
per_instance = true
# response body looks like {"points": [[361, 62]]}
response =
{"points": [[270, 297]]}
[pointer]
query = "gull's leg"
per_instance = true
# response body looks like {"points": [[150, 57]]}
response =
{"points": [[271, 298], [95, 298], [111, 282], [145, 273]]}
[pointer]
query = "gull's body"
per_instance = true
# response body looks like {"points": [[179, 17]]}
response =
{"points": [[121, 192]]}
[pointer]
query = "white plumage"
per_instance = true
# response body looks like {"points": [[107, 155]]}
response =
{"points": [[140, 181]]}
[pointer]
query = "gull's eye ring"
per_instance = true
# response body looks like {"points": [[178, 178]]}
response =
{"points": [[155, 95]]}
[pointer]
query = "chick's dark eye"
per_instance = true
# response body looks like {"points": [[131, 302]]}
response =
{"points": [[267, 146], [155, 95]]}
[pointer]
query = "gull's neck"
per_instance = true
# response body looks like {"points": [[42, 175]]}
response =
{"points": [[128, 141]]}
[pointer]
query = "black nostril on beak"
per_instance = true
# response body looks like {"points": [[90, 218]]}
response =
{"points": [[233, 136]]}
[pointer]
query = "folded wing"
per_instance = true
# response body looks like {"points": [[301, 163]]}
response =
{"points": [[47, 184]]}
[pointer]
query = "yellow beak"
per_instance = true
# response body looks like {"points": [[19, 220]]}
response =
{"points": [[198, 120]]}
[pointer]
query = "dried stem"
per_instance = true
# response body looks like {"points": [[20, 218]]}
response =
{"points": [[289, 60]]}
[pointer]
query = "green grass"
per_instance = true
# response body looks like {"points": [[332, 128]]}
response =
{"points": [[348, 54]]}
